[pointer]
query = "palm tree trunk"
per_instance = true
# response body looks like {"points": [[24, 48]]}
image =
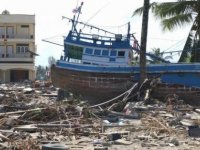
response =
{"points": [[187, 49], [196, 46], [144, 41]]}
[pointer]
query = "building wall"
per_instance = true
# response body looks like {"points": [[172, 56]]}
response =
{"points": [[17, 18], [1, 76], [7, 77], [17, 39]]}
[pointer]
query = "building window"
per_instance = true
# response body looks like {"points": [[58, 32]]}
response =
{"points": [[10, 32], [121, 53], [1, 51], [97, 52], [22, 48], [105, 53], [9, 49], [113, 53], [24, 26], [89, 51], [2, 32]]}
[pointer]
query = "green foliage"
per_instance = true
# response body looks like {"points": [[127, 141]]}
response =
{"points": [[170, 9], [177, 14], [157, 52], [51, 61], [173, 14], [41, 73], [175, 21], [139, 11]]}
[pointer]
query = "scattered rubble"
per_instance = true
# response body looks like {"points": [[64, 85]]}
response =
{"points": [[34, 117]]}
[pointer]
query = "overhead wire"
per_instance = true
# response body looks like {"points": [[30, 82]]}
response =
{"points": [[98, 11]]}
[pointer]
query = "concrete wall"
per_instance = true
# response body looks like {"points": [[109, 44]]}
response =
{"points": [[7, 73], [3, 79], [1, 75], [32, 75], [17, 18]]}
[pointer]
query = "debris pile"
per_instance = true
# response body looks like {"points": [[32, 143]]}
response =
{"points": [[33, 117]]}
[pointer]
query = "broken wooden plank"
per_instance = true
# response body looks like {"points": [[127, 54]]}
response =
{"points": [[64, 126], [20, 112], [131, 116]]}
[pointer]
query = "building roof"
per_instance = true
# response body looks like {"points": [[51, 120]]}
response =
{"points": [[17, 18]]}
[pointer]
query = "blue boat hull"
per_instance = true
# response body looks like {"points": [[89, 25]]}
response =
{"points": [[100, 83], [184, 74]]}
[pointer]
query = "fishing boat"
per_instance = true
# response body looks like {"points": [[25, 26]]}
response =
{"points": [[100, 67]]}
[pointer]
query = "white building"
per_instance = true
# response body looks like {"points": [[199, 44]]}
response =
{"points": [[17, 47]]}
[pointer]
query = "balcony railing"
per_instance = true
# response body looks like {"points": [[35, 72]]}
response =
{"points": [[22, 55], [17, 36]]}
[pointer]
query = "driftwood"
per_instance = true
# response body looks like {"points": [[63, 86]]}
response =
{"points": [[64, 126], [3, 137], [20, 112], [124, 115], [159, 125]]}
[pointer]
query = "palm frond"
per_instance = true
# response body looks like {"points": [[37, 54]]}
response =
{"points": [[139, 11], [164, 10], [179, 20], [168, 57]]}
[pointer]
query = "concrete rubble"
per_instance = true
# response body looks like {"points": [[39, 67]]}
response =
{"points": [[35, 118]]}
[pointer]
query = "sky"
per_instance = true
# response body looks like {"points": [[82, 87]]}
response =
{"points": [[110, 14]]}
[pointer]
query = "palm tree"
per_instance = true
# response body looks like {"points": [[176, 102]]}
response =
{"points": [[144, 41], [157, 52], [176, 14]]}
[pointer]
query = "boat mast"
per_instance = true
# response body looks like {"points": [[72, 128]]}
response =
{"points": [[75, 19], [128, 32]]}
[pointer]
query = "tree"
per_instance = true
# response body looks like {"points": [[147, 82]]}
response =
{"points": [[144, 41], [176, 14], [157, 52], [41, 73], [51, 61]]}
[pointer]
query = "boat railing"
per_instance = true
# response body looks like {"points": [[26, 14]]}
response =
{"points": [[97, 39]]}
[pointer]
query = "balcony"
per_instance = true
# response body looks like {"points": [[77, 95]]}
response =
{"points": [[17, 38], [24, 57]]}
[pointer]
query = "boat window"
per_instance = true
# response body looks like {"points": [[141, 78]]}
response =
{"points": [[74, 52], [112, 59], [99, 42], [108, 43], [87, 63], [95, 64], [113, 53], [88, 51], [121, 53], [97, 52], [105, 53]]}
